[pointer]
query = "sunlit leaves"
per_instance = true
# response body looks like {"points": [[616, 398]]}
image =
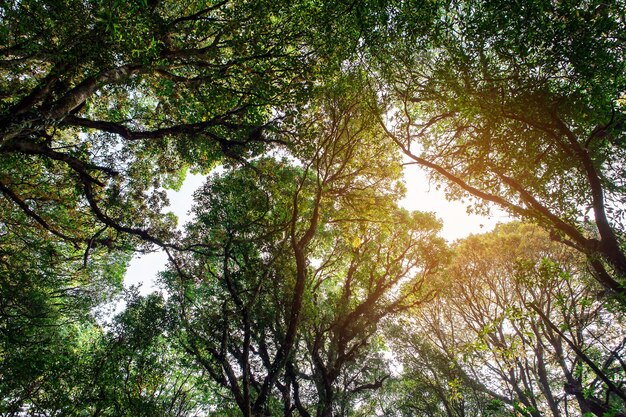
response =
{"points": [[516, 309]]}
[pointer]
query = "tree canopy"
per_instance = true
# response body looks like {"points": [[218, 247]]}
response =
{"points": [[526, 113], [301, 287]]}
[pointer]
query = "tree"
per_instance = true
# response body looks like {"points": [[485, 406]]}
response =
{"points": [[266, 324], [376, 269], [102, 104], [47, 293], [135, 369], [519, 326], [524, 113]]}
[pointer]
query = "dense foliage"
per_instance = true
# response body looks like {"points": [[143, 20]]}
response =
{"points": [[527, 113], [301, 287], [518, 328]]}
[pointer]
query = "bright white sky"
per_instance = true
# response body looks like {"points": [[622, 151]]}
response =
{"points": [[144, 269], [420, 196]]}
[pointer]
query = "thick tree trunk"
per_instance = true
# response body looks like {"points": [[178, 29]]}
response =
{"points": [[325, 404]]}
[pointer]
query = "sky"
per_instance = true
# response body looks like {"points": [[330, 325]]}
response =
{"points": [[420, 196], [457, 224], [144, 269]]}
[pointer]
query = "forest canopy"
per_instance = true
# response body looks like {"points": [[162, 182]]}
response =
{"points": [[301, 287]]}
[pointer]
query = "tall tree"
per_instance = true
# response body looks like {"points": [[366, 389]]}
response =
{"points": [[102, 103], [255, 311], [526, 113], [520, 325], [376, 269]]}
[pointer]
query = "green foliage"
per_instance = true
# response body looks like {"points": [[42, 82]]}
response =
{"points": [[297, 261], [300, 284], [137, 370], [517, 319], [47, 294], [521, 112]]}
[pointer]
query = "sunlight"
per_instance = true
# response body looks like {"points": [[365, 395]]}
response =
{"points": [[457, 223]]}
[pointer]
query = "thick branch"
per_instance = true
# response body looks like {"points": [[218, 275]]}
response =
{"points": [[22, 205], [79, 94], [610, 246], [372, 386]]}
